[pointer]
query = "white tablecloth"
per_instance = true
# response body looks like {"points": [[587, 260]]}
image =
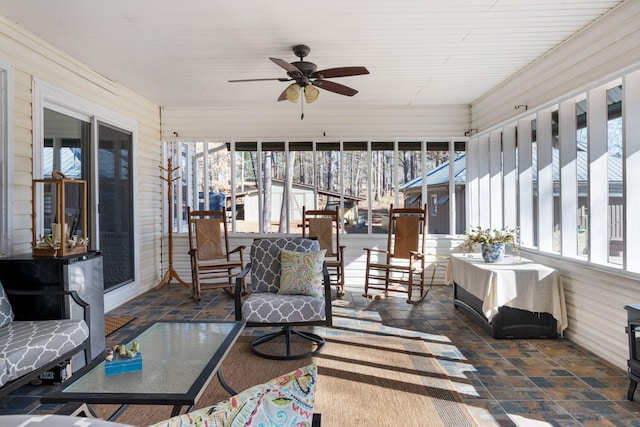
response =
{"points": [[525, 285]]}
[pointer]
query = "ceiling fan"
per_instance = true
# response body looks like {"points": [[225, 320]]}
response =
{"points": [[307, 77]]}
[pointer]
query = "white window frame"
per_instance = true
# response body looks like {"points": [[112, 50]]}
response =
{"points": [[6, 157], [631, 177], [51, 97]]}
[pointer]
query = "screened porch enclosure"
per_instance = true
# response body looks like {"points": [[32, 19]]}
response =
{"points": [[264, 185]]}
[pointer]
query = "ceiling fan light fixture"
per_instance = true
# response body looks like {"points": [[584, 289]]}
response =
{"points": [[311, 93], [293, 92]]}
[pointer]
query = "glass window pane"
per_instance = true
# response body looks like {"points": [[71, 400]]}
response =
{"points": [[116, 190], [327, 175], [534, 163], [460, 181], [615, 174], [66, 149], [382, 182], [410, 155], [187, 177], [281, 189], [438, 187], [583, 179], [301, 160], [246, 169], [555, 168], [356, 176]]}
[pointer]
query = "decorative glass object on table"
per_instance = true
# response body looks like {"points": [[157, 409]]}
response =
{"points": [[60, 219]]}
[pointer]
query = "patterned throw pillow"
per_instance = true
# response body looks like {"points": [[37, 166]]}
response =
{"points": [[6, 312], [301, 273], [284, 401]]}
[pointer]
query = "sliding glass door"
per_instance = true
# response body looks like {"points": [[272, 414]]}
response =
{"points": [[115, 190]]}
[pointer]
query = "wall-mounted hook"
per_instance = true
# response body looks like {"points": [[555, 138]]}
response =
{"points": [[470, 132]]}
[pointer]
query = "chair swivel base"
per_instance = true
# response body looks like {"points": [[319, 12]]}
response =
{"points": [[286, 331]]}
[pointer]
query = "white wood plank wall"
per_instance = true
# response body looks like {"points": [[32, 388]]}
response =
{"points": [[34, 58], [595, 307], [219, 124]]}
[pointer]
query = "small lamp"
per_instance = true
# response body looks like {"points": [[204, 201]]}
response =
{"points": [[311, 93], [293, 92]]}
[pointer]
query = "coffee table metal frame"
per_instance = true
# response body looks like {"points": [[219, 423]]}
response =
{"points": [[91, 386]]}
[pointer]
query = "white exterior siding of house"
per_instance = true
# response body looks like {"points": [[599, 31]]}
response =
{"points": [[34, 60]]}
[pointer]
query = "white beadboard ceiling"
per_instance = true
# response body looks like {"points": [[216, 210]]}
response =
{"points": [[418, 52]]}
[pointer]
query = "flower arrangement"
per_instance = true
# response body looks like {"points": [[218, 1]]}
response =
{"points": [[479, 235]]}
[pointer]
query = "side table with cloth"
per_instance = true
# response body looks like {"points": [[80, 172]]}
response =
{"points": [[493, 291]]}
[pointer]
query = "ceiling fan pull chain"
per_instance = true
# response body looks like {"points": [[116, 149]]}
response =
{"points": [[301, 109]]}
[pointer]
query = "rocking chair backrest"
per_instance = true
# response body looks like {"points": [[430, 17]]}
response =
{"points": [[406, 231], [210, 229], [265, 260], [323, 226]]}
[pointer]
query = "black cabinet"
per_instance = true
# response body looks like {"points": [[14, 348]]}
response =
{"points": [[80, 273], [633, 331]]}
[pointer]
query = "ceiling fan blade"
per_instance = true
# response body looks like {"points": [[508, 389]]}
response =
{"points": [[284, 64], [280, 79], [334, 87], [283, 95], [341, 72]]}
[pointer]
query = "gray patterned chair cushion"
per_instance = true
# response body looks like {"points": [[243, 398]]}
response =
{"points": [[29, 345], [267, 307], [6, 312], [265, 260]]}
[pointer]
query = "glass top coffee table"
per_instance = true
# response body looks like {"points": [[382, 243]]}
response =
{"points": [[179, 359]]}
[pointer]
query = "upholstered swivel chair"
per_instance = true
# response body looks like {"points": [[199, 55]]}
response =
{"points": [[289, 287], [400, 267], [324, 226]]}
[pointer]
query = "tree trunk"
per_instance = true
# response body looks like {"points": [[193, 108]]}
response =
{"points": [[287, 195]]}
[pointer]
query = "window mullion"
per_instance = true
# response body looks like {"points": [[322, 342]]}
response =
{"points": [[568, 178], [631, 177], [495, 180], [545, 181], [598, 174]]}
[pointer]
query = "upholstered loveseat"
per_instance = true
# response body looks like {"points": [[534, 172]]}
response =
{"points": [[30, 347]]}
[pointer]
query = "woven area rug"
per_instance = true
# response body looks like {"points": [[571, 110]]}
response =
{"points": [[112, 324], [363, 381]]}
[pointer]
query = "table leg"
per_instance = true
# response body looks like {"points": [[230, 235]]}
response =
{"points": [[176, 410], [76, 409], [632, 389], [224, 383], [117, 413]]}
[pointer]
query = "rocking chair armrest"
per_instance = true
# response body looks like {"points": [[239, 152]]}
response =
{"points": [[238, 249], [239, 289], [416, 254], [382, 251]]}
